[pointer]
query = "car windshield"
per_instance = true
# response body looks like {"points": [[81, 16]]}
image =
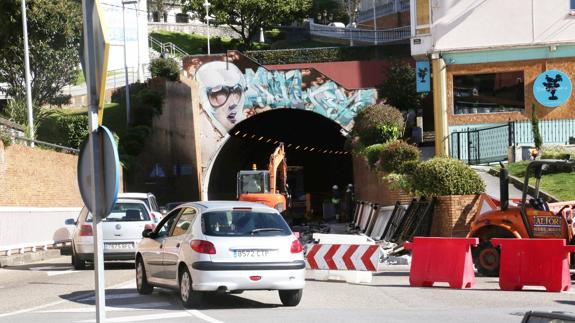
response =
{"points": [[244, 223], [125, 212]]}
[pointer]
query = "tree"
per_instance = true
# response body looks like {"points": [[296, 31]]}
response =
{"points": [[247, 16], [54, 32], [399, 86], [537, 140], [325, 11]]}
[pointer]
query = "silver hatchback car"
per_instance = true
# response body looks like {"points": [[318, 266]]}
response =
{"points": [[221, 246]]}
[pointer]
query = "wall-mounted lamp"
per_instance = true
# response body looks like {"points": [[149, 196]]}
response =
{"points": [[552, 48]]}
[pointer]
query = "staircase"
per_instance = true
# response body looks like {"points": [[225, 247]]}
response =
{"points": [[169, 49]]}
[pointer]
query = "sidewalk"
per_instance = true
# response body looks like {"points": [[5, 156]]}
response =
{"points": [[492, 183]]}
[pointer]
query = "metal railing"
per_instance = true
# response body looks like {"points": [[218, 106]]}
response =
{"points": [[553, 131], [56, 147], [387, 8], [361, 35], [167, 47]]}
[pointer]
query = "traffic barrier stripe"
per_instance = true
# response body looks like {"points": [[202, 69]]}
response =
{"points": [[343, 257]]}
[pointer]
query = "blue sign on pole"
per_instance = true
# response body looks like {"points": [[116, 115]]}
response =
{"points": [[552, 88], [422, 76]]}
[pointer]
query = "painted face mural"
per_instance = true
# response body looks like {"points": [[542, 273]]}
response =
{"points": [[231, 96], [222, 92]]}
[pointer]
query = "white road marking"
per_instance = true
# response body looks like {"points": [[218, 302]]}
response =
{"points": [[79, 297], [203, 316], [92, 309], [61, 272], [140, 318]]}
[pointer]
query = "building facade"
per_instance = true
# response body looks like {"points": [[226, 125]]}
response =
{"points": [[494, 61]]}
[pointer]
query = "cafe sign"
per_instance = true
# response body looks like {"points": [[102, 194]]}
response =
{"points": [[552, 88]]}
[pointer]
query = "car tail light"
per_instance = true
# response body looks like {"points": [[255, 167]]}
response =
{"points": [[255, 278], [85, 230], [296, 247], [203, 246], [150, 226]]}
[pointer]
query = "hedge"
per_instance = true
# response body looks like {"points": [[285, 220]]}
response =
{"points": [[327, 54], [394, 156], [377, 124], [446, 176]]}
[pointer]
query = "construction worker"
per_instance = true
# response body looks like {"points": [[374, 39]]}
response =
{"points": [[335, 200]]}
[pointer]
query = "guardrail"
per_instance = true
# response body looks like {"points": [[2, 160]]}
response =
{"points": [[28, 141], [361, 35]]}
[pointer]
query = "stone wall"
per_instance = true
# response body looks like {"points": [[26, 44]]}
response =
{"points": [[37, 177], [531, 69]]}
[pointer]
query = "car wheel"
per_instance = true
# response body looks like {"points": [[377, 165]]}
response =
{"points": [[291, 297], [486, 259], [78, 263], [190, 298], [142, 284]]}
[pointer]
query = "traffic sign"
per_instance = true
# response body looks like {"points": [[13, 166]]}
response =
{"points": [[109, 164], [101, 48]]}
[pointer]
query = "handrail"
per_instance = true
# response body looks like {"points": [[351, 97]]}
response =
{"points": [[167, 47], [44, 143], [380, 35]]}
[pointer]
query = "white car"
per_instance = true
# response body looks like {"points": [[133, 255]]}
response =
{"points": [[149, 199], [223, 246], [122, 231]]}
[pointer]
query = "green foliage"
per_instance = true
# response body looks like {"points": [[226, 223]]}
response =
{"points": [[325, 11], [273, 35], [378, 123], [535, 128], [247, 16], [147, 104], [17, 112], [373, 154], [74, 128], [398, 89], [557, 152], [133, 141], [165, 67], [60, 100], [396, 154], [5, 137], [54, 29], [445, 176], [327, 54]]}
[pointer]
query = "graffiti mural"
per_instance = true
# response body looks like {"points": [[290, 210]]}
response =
{"points": [[232, 96]]}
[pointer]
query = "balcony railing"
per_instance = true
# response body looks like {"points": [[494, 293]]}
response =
{"points": [[387, 8], [361, 35]]}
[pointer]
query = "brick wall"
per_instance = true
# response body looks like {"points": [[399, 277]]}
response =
{"points": [[36, 177], [371, 187], [531, 70], [453, 214]]}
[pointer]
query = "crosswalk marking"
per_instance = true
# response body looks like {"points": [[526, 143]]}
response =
{"points": [[140, 318]]}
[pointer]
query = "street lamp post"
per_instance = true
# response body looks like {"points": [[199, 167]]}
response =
{"points": [[207, 6], [374, 26], [127, 85], [27, 72]]}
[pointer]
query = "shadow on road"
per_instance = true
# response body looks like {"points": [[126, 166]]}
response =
{"points": [[566, 302], [59, 266]]}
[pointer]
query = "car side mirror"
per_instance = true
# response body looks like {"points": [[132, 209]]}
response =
{"points": [[148, 233], [70, 222]]}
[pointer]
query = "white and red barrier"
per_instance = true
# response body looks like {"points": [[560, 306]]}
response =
{"points": [[343, 257]]}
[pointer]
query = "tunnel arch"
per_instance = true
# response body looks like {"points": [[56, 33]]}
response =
{"points": [[314, 151]]}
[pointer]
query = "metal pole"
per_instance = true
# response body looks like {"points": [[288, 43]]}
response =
{"points": [[127, 85], [140, 70], [27, 74], [96, 153], [374, 26], [207, 5]]}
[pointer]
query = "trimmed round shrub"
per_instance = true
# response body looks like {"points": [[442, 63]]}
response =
{"points": [[166, 67], [373, 153], [395, 154], [378, 124], [446, 176]]}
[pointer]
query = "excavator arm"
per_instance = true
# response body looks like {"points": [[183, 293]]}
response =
{"points": [[277, 160]]}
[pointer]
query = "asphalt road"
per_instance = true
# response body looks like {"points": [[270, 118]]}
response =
{"points": [[51, 291]]}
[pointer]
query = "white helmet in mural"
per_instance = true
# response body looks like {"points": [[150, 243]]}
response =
{"points": [[222, 86]]}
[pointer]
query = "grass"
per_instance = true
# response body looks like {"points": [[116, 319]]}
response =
{"points": [[559, 185]]}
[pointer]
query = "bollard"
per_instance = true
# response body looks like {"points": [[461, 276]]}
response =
{"points": [[534, 262], [436, 259]]}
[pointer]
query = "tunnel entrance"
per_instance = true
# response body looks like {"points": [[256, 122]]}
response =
{"points": [[314, 148]]}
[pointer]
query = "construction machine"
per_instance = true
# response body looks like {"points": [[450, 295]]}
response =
{"points": [[524, 219], [261, 185]]}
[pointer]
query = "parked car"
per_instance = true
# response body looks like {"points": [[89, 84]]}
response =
{"points": [[149, 199], [337, 24], [223, 246], [122, 230]]}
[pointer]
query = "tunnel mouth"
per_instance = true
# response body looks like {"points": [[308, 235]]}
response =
{"points": [[315, 156]]}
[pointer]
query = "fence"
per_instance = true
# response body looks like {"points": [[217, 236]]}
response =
{"points": [[553, 131], [361, 35]]}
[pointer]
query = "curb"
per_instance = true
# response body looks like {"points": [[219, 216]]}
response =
{"points": [[27, 258], [530, 190]]}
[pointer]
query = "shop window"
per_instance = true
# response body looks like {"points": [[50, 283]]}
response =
{"points": [[488, 93]]}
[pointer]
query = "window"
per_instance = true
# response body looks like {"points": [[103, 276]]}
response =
{"points": [[125, 212], [244, 223], [422, 23], [184, 222], [488, 93]]}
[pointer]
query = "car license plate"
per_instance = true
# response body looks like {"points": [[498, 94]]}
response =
{"points": [[118, 245], [252, 253]]}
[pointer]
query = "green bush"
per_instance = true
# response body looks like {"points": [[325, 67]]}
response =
{"points": [[378, 124], [537, 140], [134, 140], [5, 137], [147, 104], [395, 154], [274, 35], [166, 67], [74, 128], [119, 94], [373, 154], [446, 176]]}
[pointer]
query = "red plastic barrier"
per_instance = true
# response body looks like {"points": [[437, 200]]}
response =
{"points": [[536, 262], [441, 260]]}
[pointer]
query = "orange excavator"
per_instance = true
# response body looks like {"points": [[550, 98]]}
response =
{"points": [[260, 185]]}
